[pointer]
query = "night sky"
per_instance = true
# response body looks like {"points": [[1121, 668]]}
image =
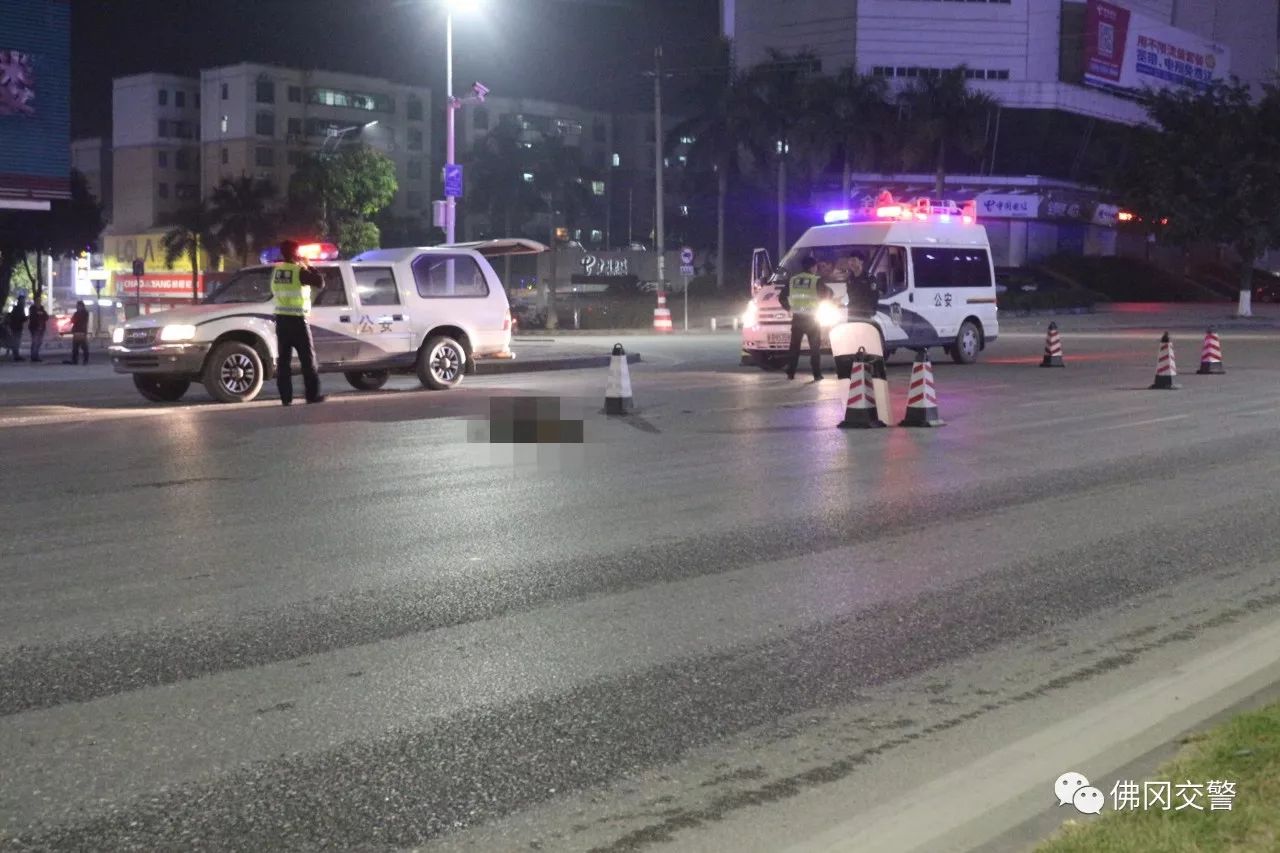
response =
{"points": [[580, 51]]}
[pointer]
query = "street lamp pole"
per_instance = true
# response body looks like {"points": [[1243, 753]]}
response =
{"points": [[451, 203]]}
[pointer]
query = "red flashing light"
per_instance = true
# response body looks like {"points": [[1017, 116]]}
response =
{"points": [[318, 251], [1125, 216], [889, 211]]}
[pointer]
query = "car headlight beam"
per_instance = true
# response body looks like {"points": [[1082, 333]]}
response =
{"points": [[829, 314], [117, 335], [177, 333]]}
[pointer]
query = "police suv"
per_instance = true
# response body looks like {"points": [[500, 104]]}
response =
{"points": [[429, 311], [926, 268]]}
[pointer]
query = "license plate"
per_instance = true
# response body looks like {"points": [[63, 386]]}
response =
{"points": [[779, 340]]}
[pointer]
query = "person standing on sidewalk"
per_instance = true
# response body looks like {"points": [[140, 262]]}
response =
{"points": [[37, 322], [291, 286], [14, 322], [79, 334]]}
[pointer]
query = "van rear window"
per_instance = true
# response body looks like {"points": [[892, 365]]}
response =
{"points": [[449, 276], [938, 267]]}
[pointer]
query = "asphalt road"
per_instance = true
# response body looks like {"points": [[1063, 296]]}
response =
{"points": [[718, 621]]}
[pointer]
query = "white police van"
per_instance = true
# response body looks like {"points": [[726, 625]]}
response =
{"points": [[930, 267], [429, 311]]}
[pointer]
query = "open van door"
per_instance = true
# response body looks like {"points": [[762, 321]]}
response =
{"points": [[501, 247], [761, 269]]}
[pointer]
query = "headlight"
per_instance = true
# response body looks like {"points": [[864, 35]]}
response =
{"points": [[829, 314], [177, 333], [750, 316], [117, 335]]}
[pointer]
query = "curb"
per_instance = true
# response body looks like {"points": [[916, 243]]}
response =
{"points": [[515, 365]]}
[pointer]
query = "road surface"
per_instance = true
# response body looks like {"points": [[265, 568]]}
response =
{"points": [[719, 622]]}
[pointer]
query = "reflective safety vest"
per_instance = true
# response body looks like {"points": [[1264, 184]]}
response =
{"points": [[293, 298], [803, 294]]}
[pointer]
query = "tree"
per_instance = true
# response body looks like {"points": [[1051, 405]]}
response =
{"points": [[242, 209], [498, 163], [560, 179], [1210, 166], [356, 183], [944, 114], [723, 119], [859, 120], [775, 94], [194, 230], [356, 235], [69, 227]]}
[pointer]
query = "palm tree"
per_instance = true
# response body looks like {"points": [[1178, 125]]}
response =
{"points": [[242, 209], [943, 113], [498, 164], [775, 97], [722, 121], [194, 231], [860, 121]]}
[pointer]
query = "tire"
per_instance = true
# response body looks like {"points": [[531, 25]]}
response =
{"points": [[968, 343], [768, 362], [161, 388], [367, 380], [233, 373], [442, 361]]}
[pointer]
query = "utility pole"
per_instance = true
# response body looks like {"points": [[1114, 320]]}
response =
{"points": [[451, 203], [657, 149]]}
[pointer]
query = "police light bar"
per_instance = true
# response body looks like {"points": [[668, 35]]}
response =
{"points": [[920, 210], [306, 251]]}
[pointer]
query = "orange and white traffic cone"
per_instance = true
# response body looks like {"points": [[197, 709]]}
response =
{"points": [[860, 411], [922, 400], [1211, 354], [662, 314], [1166, 367], [1053, 348]]}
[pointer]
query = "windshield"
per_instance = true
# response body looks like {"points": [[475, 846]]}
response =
{"points": [[254, 285], [833, 263]]}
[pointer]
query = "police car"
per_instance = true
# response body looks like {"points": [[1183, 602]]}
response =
{"points": [[927, 266], [429, 311]]}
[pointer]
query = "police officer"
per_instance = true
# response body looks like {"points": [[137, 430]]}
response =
{"points": [[801, 296], [291, 284]]}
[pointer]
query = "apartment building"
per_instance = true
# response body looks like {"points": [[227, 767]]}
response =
{"points": [[155, 153]]}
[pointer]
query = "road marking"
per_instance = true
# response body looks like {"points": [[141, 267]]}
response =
{"points": [[1141, 423]]}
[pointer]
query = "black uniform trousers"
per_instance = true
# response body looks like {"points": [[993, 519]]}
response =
{"points": [[805, 325], [293, 333]]}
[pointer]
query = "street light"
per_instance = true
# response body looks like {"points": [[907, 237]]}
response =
{"points": [[452, 105], [338, 134]]}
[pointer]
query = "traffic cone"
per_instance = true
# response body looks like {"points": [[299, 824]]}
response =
{"points": [[1052, 348], [922, 401], [662, 314], [1211, 354], [860, 411], [617, 395], [1166, 367]]}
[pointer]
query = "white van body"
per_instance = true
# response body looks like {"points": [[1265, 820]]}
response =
{"points": [[426, 310], [935, 285]]}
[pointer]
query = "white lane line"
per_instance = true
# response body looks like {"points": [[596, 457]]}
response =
{"points": [[1141, 423]]}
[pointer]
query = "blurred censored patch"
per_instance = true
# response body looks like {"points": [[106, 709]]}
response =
{"points": [[528, 420]]}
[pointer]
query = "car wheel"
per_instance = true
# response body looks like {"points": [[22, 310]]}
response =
{"points": [[441, 363], [161, 389], [765, 361], [968, 344], [233, 373], [367, 380]]}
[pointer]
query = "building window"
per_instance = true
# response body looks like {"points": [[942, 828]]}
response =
{"points": [[617, 160], [180, 99], [415, 108], [265, 125], [684, 210], [224, 91], [183, 129], [920, 71], [226, 156], [162, 159], [687, 140], [415, 170], [602, 160], [351, 100], [163, 190], [295, 127], [414, 200], [187, 192], [599, 132], [597, 187], [528, 177], [264, 157], [266, 92], [294, 157], [415, 139], [481, 118], [162, 129], [183, 160], [163, 95], [596, 235], [295, 94]]}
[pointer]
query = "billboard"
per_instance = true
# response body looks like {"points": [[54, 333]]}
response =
{"points": [[35, 94], [1126, 50]]}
